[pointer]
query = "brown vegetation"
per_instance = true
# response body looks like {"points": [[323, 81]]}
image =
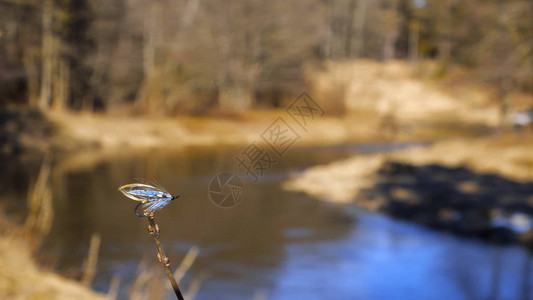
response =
{"points": [[21, 278]]}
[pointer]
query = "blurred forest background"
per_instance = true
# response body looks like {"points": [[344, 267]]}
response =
{"points": [[198, 56], [436, 76]]}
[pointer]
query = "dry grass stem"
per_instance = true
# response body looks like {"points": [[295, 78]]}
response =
{"points": [[41, 213], [113, 287], [137, 288], [89, 268], [186, 263]]}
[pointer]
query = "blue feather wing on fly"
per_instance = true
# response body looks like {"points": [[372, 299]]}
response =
{"points": [[152, 198]]}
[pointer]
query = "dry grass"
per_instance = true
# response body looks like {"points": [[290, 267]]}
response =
{"points": [[391, 88], [150, 283], [78, 131], [21, 279], [362, 101], [357, 97]]}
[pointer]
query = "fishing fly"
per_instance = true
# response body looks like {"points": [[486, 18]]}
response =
{"points": [[151, 198]]}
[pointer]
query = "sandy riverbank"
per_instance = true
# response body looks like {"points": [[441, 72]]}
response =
{"points": [[479, 187], [509, 155]]}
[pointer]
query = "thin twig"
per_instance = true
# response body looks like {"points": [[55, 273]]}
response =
{"points": [[153, 228]]}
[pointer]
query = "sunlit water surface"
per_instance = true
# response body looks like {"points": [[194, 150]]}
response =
{"points": [[274, 243]]}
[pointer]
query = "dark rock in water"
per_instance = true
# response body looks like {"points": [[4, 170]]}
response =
{"points": [[457, 199], [499, 235]]}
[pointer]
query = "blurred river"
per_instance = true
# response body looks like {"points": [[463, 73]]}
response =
{"points": [[274, 243]]}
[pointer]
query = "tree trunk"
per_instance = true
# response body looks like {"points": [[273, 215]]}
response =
{"points": [[32, 74], [62, 85], [328, 39], [148, 88], [47, 58], [389, 49], [350, 29], [360, 19], [149, 40], [414, 32]]}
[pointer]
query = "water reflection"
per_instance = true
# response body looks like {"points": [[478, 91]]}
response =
{"points": [[387, 259], [285, 245]]}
